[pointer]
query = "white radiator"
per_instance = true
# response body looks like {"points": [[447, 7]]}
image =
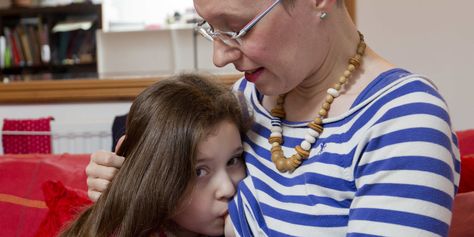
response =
{"points": [[80, 143], [77, 138]]}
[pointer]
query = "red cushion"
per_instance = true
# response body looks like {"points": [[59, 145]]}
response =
{"points": [[466, 148], [21, 199], [466, 142], [466, 184], [63, 205]]}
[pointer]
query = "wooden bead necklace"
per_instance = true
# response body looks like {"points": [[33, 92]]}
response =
{"points": [[284, 164]]}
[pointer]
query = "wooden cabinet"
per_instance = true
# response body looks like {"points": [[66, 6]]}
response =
{"points": [[83, 90]]}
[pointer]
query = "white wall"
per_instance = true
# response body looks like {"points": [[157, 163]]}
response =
{"points": [[430, 37], [144, 11]]}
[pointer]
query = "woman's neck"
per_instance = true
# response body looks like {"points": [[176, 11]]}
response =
{"points": [[304, 101]]}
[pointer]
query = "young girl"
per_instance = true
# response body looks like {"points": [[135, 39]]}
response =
{"points": [[183, 149]]}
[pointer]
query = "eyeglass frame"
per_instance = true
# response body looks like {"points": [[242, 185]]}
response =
{"points": [[210, 34]]}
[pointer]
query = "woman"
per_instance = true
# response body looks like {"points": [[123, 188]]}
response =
{"points": [[345, 143]]}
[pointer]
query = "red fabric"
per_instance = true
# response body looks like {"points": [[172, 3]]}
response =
{"points": [[63, 206], [466, 148], [22, 206], [466, 142], [466, 184], [27, 144]]}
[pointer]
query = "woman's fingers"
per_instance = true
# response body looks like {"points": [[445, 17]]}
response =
{"points": [[100, 171], [93, 195], [96, 184], [106, 158]]}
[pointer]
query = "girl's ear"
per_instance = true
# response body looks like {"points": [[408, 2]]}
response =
{"points": [[119, 143]]}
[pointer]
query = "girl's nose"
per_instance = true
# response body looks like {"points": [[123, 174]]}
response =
{"points": [[226, 187]]}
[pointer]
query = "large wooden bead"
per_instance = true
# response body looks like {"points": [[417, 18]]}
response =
{"points": [[276, 149], [292, 163], [326, 106], [323, 112], [280, 164], [355, 61], [316, 127], [272, 140], [351, 68], [318, 120], [342, 79], [347, 73], [329, 99], [304, 154], [276, 156]]}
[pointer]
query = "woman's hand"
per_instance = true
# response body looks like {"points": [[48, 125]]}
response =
{"points": [[101, 170]]}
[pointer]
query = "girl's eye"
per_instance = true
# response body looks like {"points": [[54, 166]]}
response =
{"points": [[200, 172], [235, 161]]}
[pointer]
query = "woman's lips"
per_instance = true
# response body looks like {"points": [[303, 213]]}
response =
{"points": [[254, 76]]}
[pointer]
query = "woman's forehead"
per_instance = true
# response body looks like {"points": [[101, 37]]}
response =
{"points": [[214, 9]]}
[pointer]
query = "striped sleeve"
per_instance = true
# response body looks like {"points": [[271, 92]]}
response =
{"points": [[407, 169]]}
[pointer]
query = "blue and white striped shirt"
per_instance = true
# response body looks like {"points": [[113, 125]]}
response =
{"points": [[387, 167]]}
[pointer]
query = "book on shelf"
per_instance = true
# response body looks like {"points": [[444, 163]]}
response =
{"points": [[14, 45], [25, 45], [39, 40], [35, 44], [2, 51]]}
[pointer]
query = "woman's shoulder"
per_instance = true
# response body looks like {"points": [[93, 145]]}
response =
{"points": [[396, 83]]}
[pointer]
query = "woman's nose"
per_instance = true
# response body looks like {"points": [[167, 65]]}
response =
{"points": [[224, 54]]}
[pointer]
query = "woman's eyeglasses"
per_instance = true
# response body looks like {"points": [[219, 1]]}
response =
{"points": [[232, 39]]}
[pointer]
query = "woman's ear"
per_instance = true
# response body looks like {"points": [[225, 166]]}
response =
{"points": [[323, 5]]}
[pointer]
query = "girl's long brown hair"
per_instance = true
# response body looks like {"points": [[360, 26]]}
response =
{"points": [[165, 124]]}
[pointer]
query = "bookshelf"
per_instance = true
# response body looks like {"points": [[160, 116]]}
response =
{"points": [[49, 42]]}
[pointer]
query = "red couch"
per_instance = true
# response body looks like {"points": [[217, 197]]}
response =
{"points": [[22, 203], [23, 207]]}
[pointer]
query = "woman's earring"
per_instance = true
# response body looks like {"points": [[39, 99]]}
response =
{"points": [[323, 15]]}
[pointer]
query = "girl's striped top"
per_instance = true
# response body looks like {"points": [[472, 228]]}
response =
{"points": [[387, 167]]}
